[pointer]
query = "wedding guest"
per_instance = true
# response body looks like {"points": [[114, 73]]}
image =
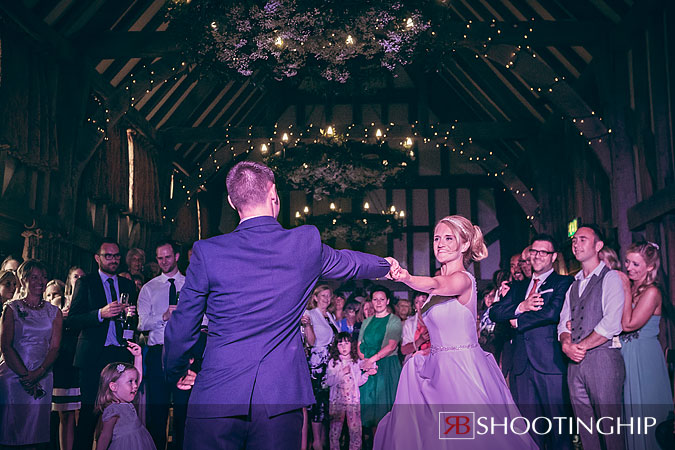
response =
{"points": [[10, 263], [92, 314], [486, 327], [7, 286], [74, 274], [402, 309], [349, 323], [121, 429], [516, 271], [344, 376], [30, 338], [135, 259], [610, 258], [325, 328], [338, 305], [593, 304], [414, 335], [367, 310], [646, 391], [66, 393], [378, 342], [156, 303], [524, 263]]}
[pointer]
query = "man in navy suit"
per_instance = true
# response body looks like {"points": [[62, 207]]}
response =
{"points": [[93, 313], [533, 306], [253, 284]]}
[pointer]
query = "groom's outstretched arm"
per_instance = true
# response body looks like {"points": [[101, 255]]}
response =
{"points": [[351, 265], [182, 330]]}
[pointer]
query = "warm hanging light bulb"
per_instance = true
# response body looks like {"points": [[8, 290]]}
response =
{"points": [[366, 206], [408, 142], [378, 133], [332, 206], [393, 208], [279, 42], [401, 214], [306, 210], [285, 137], [329, 131], [409, 23], [264, 149], [350, 40], [297, 214]]}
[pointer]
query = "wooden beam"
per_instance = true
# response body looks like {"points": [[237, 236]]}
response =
{"points": [[659, 204], [144, 44], [462, 130], [137, 44]]}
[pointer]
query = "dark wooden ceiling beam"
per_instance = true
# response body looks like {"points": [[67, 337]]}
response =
{"points": [[142, 44], [461, 130]]}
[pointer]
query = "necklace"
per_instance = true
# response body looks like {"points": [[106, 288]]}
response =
{"points": [[38, 306]]}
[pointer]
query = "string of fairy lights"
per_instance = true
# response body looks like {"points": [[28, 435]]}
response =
{"points": [[146, 81]]}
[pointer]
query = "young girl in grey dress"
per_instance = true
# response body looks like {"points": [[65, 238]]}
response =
{"points": [[122, 429]]}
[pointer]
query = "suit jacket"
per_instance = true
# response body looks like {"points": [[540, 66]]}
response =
{"points": [[536, 338], [88, 297], [254, 284]]}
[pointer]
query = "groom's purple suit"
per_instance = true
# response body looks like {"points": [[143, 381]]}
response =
{"points": [[253, 284]]}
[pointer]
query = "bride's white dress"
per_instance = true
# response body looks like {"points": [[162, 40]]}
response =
{"points": [[456, 377]]}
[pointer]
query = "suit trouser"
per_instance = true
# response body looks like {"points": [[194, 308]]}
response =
{"points": [[89, 379], [159, 396], [540, 394], [596, 390], [253, 431]]}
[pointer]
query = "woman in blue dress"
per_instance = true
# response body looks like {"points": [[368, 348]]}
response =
{"points": [[646, 391]]}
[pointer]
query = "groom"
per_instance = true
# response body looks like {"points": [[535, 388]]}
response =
{"points": [[253, 284]]}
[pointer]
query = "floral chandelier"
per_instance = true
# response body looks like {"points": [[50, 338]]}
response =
{"points": [[333, 166], [287, 37]]}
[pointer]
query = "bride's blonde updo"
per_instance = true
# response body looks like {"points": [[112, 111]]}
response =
{"points": [[467, 232]]}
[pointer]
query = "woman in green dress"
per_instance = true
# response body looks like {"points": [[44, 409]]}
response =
{"points": [[646, 391], [378, 341]]}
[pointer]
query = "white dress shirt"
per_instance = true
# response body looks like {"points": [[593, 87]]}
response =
{"points": [[153, 301], [612, 303]]}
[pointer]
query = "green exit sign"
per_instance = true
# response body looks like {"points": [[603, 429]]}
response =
{"points": [[572, 227]]}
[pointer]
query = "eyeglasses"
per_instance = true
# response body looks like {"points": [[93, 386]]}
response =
{"points": [[540, 253], [110, 256]]}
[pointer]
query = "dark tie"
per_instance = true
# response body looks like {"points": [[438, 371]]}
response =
{"points": [[118, 324], [172, 292], [534, 287]]}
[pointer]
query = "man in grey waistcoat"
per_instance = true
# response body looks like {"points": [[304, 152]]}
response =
{"points": [[589, 322]]}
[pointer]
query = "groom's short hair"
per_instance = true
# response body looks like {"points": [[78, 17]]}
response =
{"points": [[247, 183]]}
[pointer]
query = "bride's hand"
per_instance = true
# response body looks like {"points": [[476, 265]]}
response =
{"points": [[400, 274]]}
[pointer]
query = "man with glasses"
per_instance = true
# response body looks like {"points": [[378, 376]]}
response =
{"points": [[93, 311], [538, 377]]}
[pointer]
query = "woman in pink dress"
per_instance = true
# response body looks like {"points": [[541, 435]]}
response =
{"points": [[456, 378]]}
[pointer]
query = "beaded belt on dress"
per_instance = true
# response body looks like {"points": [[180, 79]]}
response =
{"points": [[451, 348]]}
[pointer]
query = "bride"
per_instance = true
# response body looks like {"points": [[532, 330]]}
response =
{"points": [[457, 376]]}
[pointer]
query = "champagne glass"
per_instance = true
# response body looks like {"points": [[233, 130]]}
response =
{"points": [[124, 301]]}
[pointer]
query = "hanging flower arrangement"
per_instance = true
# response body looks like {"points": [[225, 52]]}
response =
{"points": [[334, 167], [286, 37], [357, 229]]}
